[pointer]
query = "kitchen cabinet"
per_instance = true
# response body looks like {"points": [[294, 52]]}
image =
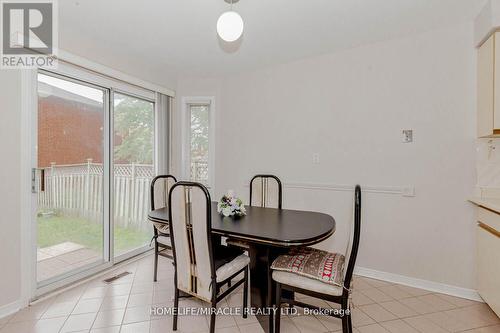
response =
{"points": [[488, 87], [488, 262]]}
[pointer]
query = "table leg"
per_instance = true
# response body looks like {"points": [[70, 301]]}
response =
{"points": [[262, 292]]}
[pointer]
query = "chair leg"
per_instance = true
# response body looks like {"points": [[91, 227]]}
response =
{"points": [[349, 322], [229, 284], [270, 296], [212, 318], [156, 262], [278, 306], [345, 319], [176, 307], [245, 294]]}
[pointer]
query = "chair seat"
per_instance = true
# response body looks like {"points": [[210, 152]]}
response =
{"points": [[299, 281], [161, 227], [228, 262], [312, 263], [224, 254]]}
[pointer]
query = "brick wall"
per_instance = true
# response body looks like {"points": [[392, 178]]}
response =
{"points": [[69, 132]]}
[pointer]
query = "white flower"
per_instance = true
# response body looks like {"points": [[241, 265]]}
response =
{"points": [[227, 211], [230, 206]]}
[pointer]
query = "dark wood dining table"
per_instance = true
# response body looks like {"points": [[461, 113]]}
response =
{"points": [[269, 232]]}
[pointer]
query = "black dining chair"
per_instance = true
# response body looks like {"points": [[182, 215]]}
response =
{"points": [[304, 270], [265, 191], [201, 268], [160, 187]]}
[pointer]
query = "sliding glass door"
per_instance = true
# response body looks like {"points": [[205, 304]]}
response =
{"points": [[71, 162], [94, 163], [133, 154]]}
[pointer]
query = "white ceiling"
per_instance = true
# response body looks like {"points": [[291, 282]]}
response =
{"points": [[160, 39]]}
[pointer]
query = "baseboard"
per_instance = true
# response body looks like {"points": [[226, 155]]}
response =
{"points": [[419, 283], [10, 308]]}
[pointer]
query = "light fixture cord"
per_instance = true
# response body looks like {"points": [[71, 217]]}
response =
{"points": [[231, 5]]}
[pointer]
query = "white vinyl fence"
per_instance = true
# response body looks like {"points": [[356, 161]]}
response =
{"points": [[199, 171], [77, 190]]}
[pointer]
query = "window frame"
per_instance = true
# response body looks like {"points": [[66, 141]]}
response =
{"points": [[186, 137]]}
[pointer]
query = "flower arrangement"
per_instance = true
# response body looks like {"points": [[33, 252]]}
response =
{"points": [[230, 205]]}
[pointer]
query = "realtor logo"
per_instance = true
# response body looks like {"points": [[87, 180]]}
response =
{"points": [[28, 34]]}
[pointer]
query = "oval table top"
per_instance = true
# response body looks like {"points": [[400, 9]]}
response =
{"points": [[278, 227]]}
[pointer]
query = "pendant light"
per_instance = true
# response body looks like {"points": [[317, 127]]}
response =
{"points": [[230, 24]]}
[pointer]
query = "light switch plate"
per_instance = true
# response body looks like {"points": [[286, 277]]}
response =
{"points": [[407, 136], [315, 158]]}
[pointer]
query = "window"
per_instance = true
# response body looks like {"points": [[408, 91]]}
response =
{"points": [[198, 142]]}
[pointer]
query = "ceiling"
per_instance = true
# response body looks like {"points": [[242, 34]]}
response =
{"points": [[162, 39]]}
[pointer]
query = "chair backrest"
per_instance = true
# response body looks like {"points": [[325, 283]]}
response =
{"points": [[160, 187], [266, 191], [190, 236], [352, 252]]}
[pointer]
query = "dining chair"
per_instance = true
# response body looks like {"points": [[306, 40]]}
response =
{"points": [[201, 268], [319, 274], [265, 191], [160, 187]]}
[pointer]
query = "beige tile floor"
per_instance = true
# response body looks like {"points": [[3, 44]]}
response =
{"points": [[124, 306]]}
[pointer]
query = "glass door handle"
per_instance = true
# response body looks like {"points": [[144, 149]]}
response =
{"points": [[33, 180]]}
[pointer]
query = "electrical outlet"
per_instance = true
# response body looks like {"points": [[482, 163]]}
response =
{"points": [[315, 158], [407, 136]]}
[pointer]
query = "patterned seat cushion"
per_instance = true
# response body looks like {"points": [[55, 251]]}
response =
{"points": [[161, 227], [314, 264], [306, 283]]}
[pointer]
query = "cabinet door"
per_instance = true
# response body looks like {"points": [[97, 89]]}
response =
{"points": [[496, 85], [485, 88], [488, 267]]}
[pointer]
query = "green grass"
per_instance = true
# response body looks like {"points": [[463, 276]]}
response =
{"points": [[58, 229]]}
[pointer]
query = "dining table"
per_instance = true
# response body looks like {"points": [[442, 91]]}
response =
{"points": [[268, 233]]}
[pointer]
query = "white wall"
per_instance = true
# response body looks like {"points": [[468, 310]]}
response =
{"points": [[10, 135], [487, 21], [350, 107]]}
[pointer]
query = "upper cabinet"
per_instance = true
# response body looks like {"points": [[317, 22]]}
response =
{"points": [[488, 88]]}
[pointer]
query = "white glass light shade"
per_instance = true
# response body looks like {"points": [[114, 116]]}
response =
{"points": [[230, 26]]}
